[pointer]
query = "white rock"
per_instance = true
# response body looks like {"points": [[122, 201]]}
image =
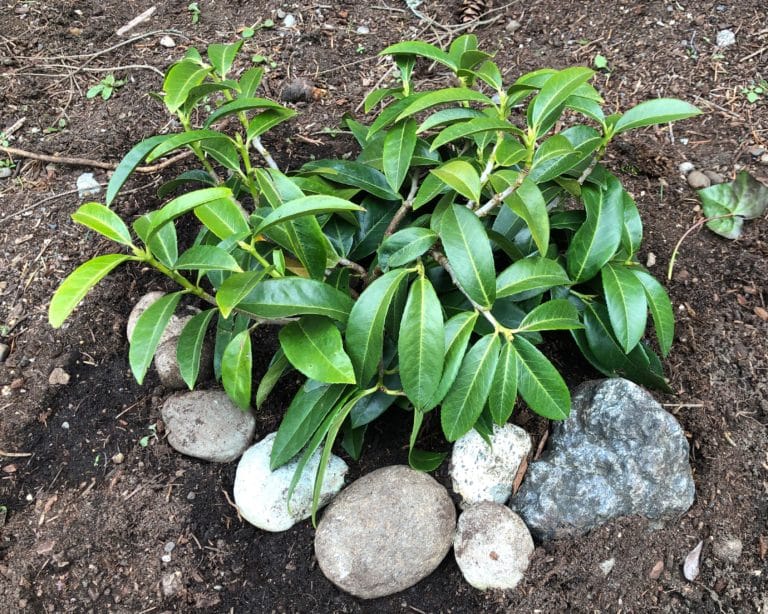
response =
{"points": [[5, 172], [363, 30], [58, 377], [492, 546], [87, 186], [140, 307], [261, 494], [206, 424], [289, 21], [167, 42], [686, 167], [725, 38], [483, 473], [607, 566], [167, 365]]}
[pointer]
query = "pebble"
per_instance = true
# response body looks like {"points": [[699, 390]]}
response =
{"points": [[58, 377], [206, 424], [166, 558], [728, 549], [764, 158], [118, 458], [607, 566], [714, 177], [480, 472], [5, 172], [261, 495], [686, 167], [756, 151], [698, 180], [651, 260], [385, 532], [169, 546], [171, 584], [87, 186], [492, 546], [513, 25], [65, 425], [725, 38], [167, 42], [191, 496], [363, 30], [289, 21], [280, 14], [4, 351]]}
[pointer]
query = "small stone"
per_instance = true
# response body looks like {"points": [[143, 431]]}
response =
{"points": [[289, 21], [4, 351], [169, 546], [725, 38], [385, 532], [492, 546], [655, 572], [206, 424], [171, 584], [280, 14], [650, 260], [686, 167], [87, 186], [118, 458], [698, 180], [513, 25], [167, 365], [764, 158], [166, 558], [480, 472], [607, 566], [714, 177], [756, 151], [728, 549], [363, 30], [65, 425], [167, 42], [191, 496], [5, 172], [58, 377], [261, 494]]}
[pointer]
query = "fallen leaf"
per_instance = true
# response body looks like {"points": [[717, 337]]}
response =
{"points": [[761, 313], [691, 565], [9, 468], [520, 475], [655, 572]]}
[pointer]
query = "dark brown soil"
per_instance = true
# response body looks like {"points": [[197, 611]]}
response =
{"points": [[84, 534]]}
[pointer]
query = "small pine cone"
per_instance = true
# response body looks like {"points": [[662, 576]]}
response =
{"points": [[473, 9]]}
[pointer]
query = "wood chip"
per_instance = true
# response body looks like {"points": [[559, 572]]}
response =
{"points": [[655, 572], [691, 565], [761, 313]]}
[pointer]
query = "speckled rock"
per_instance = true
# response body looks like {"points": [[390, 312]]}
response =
{"points": [[618, 454], [167, 366], [480, 472], [261, 494], [206, 424], [493, 547], [385, 532], [698, 180]]}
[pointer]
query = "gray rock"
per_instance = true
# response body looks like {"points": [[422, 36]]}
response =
{"points": [[140, 307], [728, 549], [686, 167], [4, 351], [363, 30], [618, 454], [714, 178], [480, 472], [87, 186], [5, 172], [607, 566], [493, 547], [167, 42], [725, 38], [167, 366], [385, 532], [698, 180], [289, 21], [206, 424], [261, 494], [172, 584]]}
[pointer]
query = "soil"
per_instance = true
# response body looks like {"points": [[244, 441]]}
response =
{"points": [[84, 533]]}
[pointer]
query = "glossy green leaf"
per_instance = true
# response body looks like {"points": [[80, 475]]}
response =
{"points": [[128, 164], [510, 151], [100, 219], [554, 157], [207, 258], [236, 288], [161, 241], [473, 126], [557, 314], [448, 116], [554, 93], [355, 174], [249, 81], [277, 367], [458, 330], [539, 383], [431, 186], [404, 246], [661, 310], [78, 283], [182, 139], [399, 144], [223, 56], [366, 410], [469, 253], [202, 91], [146, 335], [290, 296], [527, 202], [460, 45], [626, 302], [314, 347], [241, 105], [420, 343], [184, 203], [189, 347], [372, 224], [460, 176], [226, 329], [365, 327], [421, 49], [659, 111], [501, 399], [192, 176], [236, 366], [465, 400], [179, 80], [224, 217], [304, 206], [222, 150], [595, 243], [266, 120], [632, 228], [422, 460], [444, 96]]}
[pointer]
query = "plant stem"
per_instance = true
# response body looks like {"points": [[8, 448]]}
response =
{"points": [[256, 142], [404, 208], [698, 224], [259, 258], [359, 269], [497, 199]]}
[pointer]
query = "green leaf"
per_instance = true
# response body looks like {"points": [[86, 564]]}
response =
{"points": [[304, 206], [146, 335], [236, 288], [207, 258], [422, 460], [223, 56], [249, 81], [162, 241], [78, 283], [311, 405], [365, 327], [627, 306], [224, 217], [632, 228], [444, 96], [501, 400], [290, 296], [595, 243], [266, 120], [743, 198], [529, 277], [405, 246], [314, 347], [355, 174], [236, 366], [179, 80], [421, 49], [129, 163], [458, 330], [650, 112], [399, 144], [539, 383], [554, 157], [176, 141], [510, 151], [661, 310], [448, 116], [470, 127], [558, 314], [527, 202], [190, 346], [430, 187], [553, 95], [469, 252], [100, 219], [184, 203], [223, 150], [465, 400], [241, 105], [372, 224], [460, 176], [420, 343], [277, 367]]}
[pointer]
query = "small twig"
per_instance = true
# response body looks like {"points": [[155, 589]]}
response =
{"points": [[109, 166], [751, 55], [257, 145], [101, 69], [136, 21], [501, 196], [404, 208], [697, 225], [15, 454], [14, 127], [359, 269]]}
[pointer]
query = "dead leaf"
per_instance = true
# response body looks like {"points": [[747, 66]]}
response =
{"points": [[520, 475], [761, 313], [9, 468], [655, 572], [691, 565]]}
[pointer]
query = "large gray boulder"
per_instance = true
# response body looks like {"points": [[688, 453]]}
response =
{"points": [[619, 453], [385, 532]]}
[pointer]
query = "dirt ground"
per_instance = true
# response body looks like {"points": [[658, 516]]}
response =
{"points": [[83, 533]]}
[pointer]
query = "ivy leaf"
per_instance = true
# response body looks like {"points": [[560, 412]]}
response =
{"points": [[236, 366], [627, 305], [539, 383], [146, 335], [314, 347]]}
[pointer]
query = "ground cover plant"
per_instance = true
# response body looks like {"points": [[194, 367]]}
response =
{"points": [[420, 275]]}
